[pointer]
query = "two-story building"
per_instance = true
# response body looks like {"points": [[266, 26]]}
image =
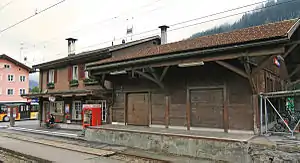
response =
{"points": [[14, 81], [66, 86]]}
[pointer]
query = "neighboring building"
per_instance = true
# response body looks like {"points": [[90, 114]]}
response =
{"points": [[66, 86], [14, 80], [206, 83]]}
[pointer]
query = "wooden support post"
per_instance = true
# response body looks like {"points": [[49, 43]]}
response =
{"points": [[297, 69], [125, 107], [149, 109], [256, 114], [188, 110], [250, 75], [167, 111], [289, 50], [225, 109]]}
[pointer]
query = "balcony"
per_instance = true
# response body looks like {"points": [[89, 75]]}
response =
{"points": [[50, 85], [74, 83], [88, 81]]}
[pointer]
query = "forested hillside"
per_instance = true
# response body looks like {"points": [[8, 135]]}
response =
{"points": [[285, 9]]}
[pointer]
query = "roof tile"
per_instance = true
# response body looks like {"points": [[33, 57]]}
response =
{"points": [[266, 31]]}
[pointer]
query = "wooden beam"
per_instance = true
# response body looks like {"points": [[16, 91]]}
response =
{"points": [[150, 78], [153, 72], [297, 69], [232, 68], [162, 76], [289, 50], [262, 64]]}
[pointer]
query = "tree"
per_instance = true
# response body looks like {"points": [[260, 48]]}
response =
{"points": [[35, 90]]}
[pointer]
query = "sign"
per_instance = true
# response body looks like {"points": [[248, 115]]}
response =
{"points": [[91, 106], [52, 99]]}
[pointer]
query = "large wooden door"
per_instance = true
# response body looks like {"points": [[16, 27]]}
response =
{"points": [[207, 108], [137, 105]]}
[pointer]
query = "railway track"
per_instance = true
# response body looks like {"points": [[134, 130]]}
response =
{"points": [[9, 156], [116, 155]]}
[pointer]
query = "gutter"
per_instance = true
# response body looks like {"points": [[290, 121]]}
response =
{"points": [[184, 54]]}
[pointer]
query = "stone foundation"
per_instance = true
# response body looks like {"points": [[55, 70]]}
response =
{"points": [[260, 151]]}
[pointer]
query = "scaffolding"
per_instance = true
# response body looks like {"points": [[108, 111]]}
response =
{"points": [[278, 113]]}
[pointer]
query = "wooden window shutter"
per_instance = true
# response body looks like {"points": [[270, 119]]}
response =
{"points": [[55, 76], [47, 74], [70, 73], [81, 71]]}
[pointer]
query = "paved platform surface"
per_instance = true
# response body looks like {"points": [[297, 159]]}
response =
{"points": [[51, 153]]}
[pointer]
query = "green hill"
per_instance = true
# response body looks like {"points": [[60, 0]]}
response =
{"points": [[279, 12]]}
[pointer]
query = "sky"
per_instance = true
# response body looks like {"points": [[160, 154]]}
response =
{"points": [[96, 23]]}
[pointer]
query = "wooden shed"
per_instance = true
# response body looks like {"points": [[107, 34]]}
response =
{"points": [[206, 83]]}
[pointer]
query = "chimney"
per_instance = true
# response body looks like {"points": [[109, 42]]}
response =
{"points": [[71, 46], [163, 36]]}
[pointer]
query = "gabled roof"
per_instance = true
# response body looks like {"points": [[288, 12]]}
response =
{"points": [[236, 37], [6, 57], [93, 55]]}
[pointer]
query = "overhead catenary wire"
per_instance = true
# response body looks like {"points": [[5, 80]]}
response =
{"points": [[186, 26], [37, 13]]}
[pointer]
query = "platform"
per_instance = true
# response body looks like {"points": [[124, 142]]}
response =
{"points": [[201, 144]]}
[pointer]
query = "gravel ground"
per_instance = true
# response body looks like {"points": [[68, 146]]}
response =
{"points": [[6, 157], [132, 159]]}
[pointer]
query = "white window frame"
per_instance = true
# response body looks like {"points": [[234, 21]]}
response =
{"points": [[86, 73], [21, 78], [51, 76], [13, 91], [103, 106], [23, 91], [76, 113], [75, 73], [13, 77]]}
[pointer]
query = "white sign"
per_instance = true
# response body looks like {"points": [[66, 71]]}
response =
{"points": [[91, 106], [52, 99]]}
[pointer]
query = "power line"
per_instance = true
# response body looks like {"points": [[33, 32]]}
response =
{"points": [[11, 26], [202, 21], [234, 15], [106, 20]]}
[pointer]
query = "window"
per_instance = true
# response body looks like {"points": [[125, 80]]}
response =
{"points": [[76, 112], [22, 91], [22, 78], [10, 77], [7, 66], [51, 76], [75, 73], [10, 91], [86, 73]]}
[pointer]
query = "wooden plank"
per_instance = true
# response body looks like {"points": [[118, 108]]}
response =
{"points": [[167, 111], [188, 110], [149, 109], [232, 68], [125, 107], [225, 113]]}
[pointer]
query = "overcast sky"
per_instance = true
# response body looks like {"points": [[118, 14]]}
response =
{"points": [[93, 22]]}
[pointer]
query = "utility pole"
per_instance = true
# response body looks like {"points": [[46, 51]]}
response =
{"points": [[11, 118]]}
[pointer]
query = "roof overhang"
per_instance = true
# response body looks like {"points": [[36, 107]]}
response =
{"points": [[75, 59], [105, 68], [68, 93]]}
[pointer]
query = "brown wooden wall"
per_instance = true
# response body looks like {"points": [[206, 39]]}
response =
{"points": [[177, 82]]}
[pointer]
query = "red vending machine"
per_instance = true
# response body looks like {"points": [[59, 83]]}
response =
{"points": [[92, 115]]}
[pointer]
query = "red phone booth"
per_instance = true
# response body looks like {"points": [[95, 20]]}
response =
{"points": [[91, 115]]}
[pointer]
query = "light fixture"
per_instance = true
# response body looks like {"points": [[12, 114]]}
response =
{"points": [[191, 64], [118, 72]]}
